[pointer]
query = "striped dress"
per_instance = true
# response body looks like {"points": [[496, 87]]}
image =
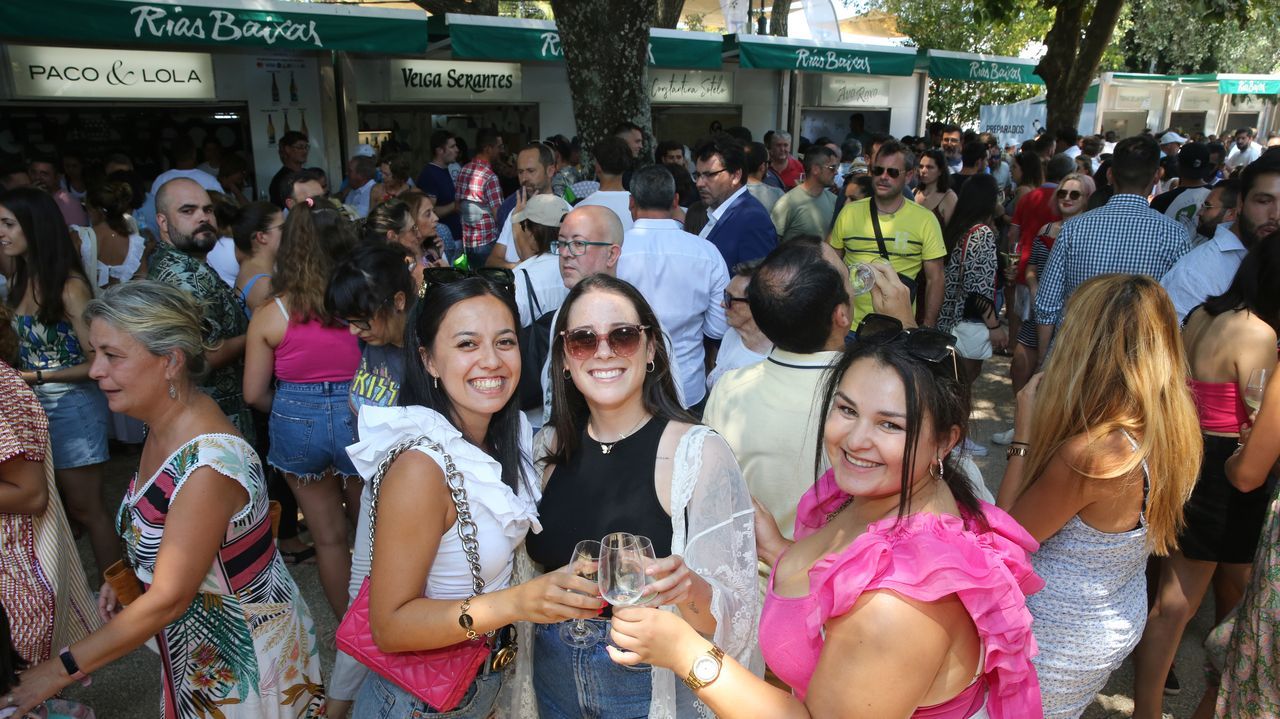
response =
{"points": [[246, 645]]}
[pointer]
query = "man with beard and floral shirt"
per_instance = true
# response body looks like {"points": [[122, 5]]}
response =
{"points": [[184, 216]]}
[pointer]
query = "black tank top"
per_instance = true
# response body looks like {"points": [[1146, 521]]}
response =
{"points": [[594, 494]]}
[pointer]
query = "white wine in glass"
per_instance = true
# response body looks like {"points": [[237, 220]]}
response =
{"points": [[1254, 389], [584, 563], [622, 579]]}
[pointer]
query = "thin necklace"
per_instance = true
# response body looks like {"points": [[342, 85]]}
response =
{"points": [[607, 448]]}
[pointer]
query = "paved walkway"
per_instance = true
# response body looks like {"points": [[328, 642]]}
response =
{"points": [[130, 687]]}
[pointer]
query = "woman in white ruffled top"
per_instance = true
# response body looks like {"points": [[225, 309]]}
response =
{"points": [[458, 393], [111, 248]]}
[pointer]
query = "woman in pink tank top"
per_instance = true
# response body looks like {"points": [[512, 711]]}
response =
{"points": [[903, 594], [294, 340]]}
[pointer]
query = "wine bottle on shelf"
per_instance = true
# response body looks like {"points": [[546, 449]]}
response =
{"points": [[275, 90], [271, 130], [286, 121], [305, 131], [293, 88]]}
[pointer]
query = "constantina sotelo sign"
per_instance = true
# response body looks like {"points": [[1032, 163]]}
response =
{"points": [[79, 73]]}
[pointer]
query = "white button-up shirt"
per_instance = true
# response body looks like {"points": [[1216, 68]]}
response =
{"points": [[1206, 271], [713, 216], [359, 198], [683, 278]]}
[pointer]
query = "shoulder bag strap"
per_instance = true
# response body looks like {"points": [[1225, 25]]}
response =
{"points": [[875, 224], [457, 491], [535, 309]]}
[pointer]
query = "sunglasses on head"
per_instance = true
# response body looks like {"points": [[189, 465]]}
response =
{"points": [[923, 343], [582, 342], [1069, 194], [436, 276], [892, 172]]}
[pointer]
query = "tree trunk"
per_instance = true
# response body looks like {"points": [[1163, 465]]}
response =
{"points": [[668, 13], [778, 17], [466, 7], [606, 51], [1072, 55]]}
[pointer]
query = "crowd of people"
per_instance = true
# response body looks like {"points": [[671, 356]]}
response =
{"points": [[759, 365]]}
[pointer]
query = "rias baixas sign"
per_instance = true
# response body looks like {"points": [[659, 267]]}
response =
{"points": [[57, 72]]}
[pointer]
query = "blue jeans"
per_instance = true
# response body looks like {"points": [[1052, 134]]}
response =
{"points": [[311, 427], [573, 683], [381, 699], [78, 419]]}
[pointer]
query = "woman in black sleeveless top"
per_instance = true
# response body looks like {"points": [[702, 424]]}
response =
{"points": [[620, 455]]}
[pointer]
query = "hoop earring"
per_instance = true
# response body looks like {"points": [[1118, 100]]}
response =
{"points": [[650, 367], [942, 472], [568, 374], [173, 391]]}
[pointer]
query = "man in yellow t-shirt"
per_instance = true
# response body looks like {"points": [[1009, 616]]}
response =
{"points": [[912, 238]]}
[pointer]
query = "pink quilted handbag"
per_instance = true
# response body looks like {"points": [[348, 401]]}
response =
{"points": [[439, 677]]}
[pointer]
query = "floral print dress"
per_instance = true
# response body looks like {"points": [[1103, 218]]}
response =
{"points": [[246, 646], [1250, 637]]}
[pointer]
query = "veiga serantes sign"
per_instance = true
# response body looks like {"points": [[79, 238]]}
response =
{"points": [[43, 72], [675, 87], [450, 80]]}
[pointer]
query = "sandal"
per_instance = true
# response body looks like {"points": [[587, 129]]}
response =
{"points": [[302, 556]]}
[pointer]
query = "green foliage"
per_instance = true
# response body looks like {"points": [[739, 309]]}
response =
{"points": [[1191, 36], [994, 27]]}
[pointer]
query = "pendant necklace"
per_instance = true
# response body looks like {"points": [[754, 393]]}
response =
{"points": [[607, 448]]}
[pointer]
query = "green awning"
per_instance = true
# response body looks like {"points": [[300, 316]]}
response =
{"points": [[266, 25], [780, 53], [477, 37], [1249, 85], [984, 68]]}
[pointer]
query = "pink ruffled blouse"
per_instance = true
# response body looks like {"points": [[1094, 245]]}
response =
{"points": [[925, 557]]}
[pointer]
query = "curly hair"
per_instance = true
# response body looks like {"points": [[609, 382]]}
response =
{"points": [[317, 235]]}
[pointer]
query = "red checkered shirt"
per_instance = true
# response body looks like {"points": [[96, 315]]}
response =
{"points": [[477, 183]]}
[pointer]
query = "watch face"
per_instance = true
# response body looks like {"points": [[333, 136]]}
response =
{"points": [[706, 669]]}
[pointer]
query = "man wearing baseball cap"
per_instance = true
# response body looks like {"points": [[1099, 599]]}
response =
{"points": [[539, 288], [1183, 202], [1170, 143]]}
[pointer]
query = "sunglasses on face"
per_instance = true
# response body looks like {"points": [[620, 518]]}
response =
{"points": [[730, 299], [923, 343], [436, 276], [892, 172], [583, 342], [1069, 194]]}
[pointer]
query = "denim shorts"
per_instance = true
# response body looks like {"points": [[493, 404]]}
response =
{"points": [[310, 428], [571, 682], [379, 698], [78, 422]]}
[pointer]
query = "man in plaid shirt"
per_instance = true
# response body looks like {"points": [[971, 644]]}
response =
{"points": [[478, 197], [1123, 236]]}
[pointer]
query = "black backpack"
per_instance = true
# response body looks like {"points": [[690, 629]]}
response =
{"points": [[535, 346]]}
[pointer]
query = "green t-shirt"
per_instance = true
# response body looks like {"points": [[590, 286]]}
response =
{"points": [[798, 213]]}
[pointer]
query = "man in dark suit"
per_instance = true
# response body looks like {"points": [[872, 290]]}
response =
{"points": [[737, 224]]}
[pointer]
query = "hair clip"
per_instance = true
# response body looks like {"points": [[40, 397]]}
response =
{"points": [[311, 202]]}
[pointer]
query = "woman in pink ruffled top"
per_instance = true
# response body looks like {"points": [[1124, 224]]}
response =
{"points": [[903, 594]]}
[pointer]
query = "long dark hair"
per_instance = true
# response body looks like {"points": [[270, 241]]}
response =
{"points": [[944, 173], [1032, 168], [1254, 287], [52, 259], [503, 437], [927, 387], [569, 409], [248, 221], [975, 206], [363, 284]]}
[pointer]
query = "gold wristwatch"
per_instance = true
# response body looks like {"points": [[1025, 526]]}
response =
{"points": [[705, 669]]}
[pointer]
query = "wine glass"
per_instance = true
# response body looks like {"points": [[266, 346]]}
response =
{"points": [[621, 578], [644, 547], [1254, 389], [862, 279], [584, 563]]}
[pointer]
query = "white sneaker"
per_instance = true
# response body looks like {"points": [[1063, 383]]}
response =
{"points": [[971, 447], [1003, 439]]}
